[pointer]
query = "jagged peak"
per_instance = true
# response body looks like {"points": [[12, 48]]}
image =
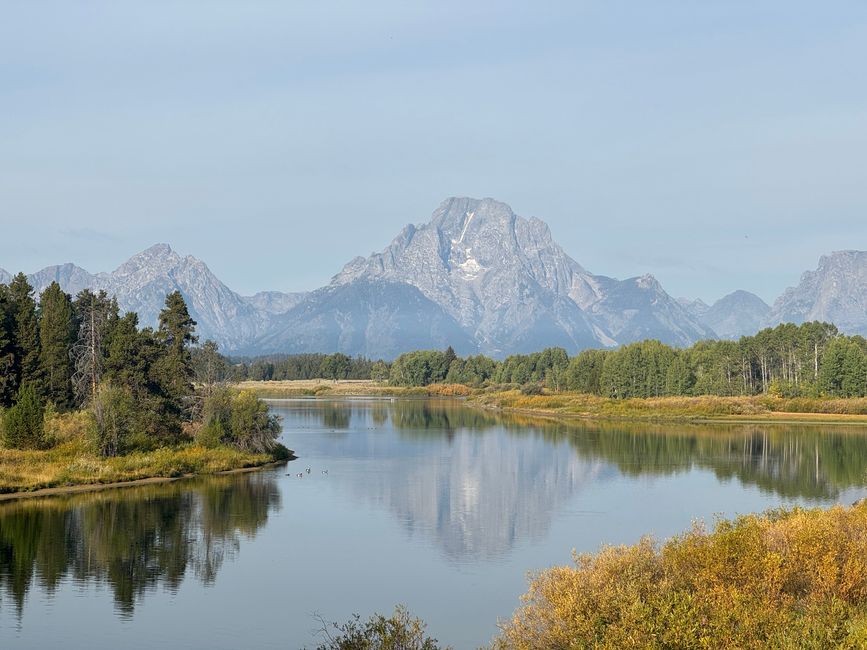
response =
{"points": [[648, 281], [157, 255], [842, 255]]}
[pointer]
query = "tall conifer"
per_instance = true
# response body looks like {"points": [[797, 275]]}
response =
{"points": [[56, 337]]}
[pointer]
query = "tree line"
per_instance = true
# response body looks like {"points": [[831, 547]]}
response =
{"points": [[809, 360], [62, 354], [288, 367]]}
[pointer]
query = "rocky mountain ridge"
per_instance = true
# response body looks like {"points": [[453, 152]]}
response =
{"points": [[475, 276]]}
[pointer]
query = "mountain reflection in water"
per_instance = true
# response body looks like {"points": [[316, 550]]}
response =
{"points": [[479, 482]]}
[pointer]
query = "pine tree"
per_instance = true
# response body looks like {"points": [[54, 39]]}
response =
{"points": [[56, 338], [28, 364], [24, 423], [173, 370], [8, 383]]}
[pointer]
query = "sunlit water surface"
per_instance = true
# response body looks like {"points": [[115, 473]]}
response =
{"points": [[427, 503]]}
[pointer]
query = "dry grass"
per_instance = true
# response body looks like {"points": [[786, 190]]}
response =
{"points": [[72, 461], [349, 387]]}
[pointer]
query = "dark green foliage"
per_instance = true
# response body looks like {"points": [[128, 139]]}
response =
{"points": [[419, 368], [472, 371], [57, 334], [135, 360], [545, 366], [8, 379], [26, 332], [335, 366], [24, 423], [584, 373], [283, 367], [400, 631], [174, 367]]}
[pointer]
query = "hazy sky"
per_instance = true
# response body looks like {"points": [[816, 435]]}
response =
{"points": [[717, 145]]}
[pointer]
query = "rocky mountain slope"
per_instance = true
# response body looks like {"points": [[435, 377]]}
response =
{"points": [[738, 314], [505, 282], [142, 283], [835, 292], [275, 302]]}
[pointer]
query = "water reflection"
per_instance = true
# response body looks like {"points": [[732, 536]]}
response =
{"points": [[478, 482], [133, 540]]}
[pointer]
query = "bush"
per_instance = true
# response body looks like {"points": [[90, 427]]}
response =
{"points": [[252, 427], [240, 420], [211, 435], [113, 415], [400, 631], [785, 579], [24, 423]]}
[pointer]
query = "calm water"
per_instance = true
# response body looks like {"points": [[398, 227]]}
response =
{"points": [[426, 503]]}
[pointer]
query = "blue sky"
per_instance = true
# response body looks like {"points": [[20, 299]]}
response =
{"points": [[717, 145]]}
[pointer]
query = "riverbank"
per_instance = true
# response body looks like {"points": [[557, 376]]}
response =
{"points": [[756, 409], [350, 388], [71, 467], [745, 410]]}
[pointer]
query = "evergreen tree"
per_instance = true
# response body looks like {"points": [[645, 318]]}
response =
{"points": [[176, 334], [24, 423], [28, 367], [56, 337], [8, 384]]}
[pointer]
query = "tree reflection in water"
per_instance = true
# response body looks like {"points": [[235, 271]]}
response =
{"points": [[134, 539]]}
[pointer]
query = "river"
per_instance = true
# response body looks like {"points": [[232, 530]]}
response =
{"points": [[428, 503]]}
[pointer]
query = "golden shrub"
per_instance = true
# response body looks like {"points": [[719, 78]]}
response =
{"points": [[784, 579]]}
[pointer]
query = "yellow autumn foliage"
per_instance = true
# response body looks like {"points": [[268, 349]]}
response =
{"points": [[784, 579]]}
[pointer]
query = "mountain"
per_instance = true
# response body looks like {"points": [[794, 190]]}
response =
{"points": [[141, 284], [70, 277], [696, 307], [475, 276], [5, 277], [738, 314], [377, 319], [505, 281], [275, 302], [835, 292]]}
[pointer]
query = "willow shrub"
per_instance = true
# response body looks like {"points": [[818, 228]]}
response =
{"points": [[784, 579]]}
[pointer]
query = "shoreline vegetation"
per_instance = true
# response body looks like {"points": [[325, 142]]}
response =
{"points": [[543, 402], [87, 397], [71, 463]]}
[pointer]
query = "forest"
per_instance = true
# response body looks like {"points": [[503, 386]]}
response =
{"points": [[77, 363], [809, 360]]}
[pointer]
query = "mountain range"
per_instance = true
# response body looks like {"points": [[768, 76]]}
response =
{"points": [[477, 277]]}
